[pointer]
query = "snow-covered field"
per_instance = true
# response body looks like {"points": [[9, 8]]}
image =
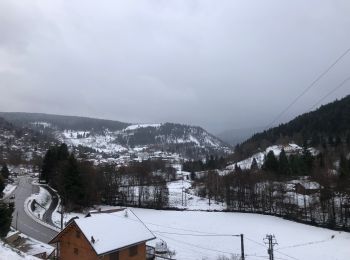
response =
{"points": [[202, 235], [182, 196], [197, 235], [7, 253]]}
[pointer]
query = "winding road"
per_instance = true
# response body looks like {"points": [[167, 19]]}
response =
{"points": [[21, 220]]}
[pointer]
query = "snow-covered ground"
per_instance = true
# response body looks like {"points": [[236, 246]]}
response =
{"points": [[44, 199], [196, 235], [202, 235], [8, 190], [186, 200], [102, 143], [260, 157], [182, 196], [137, 126], [56, 216], [7, 253]]}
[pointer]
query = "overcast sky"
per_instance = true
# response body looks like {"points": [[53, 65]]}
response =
{"points": [[218, 64]]}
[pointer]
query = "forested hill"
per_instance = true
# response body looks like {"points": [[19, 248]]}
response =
{"points": [[63, 122], [114, 137], [328, 125]]}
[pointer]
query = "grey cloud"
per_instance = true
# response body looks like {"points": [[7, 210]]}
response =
{"points": [[219, 64]]}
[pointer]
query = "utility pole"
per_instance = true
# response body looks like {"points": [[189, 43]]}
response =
{"points": [[61, 212], [16, 219], [271, 241], [61, 219], [242, 247], [182, 196]]}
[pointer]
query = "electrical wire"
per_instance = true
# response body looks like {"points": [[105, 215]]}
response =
{"points": [[255, 242], [330, 92], [181, 229], [195, 235], [306, 244], [292, 257], [189, 247], [313, 83], [197, 246]]}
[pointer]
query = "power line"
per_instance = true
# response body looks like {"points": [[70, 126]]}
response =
{"points": [[195, 235], [308, 87], [141, 221], [331, 92], [292, 257], [181, 229], [260, 244], [260, 256], [197, 246], [187, 230], [306, 244], [189, 247]]}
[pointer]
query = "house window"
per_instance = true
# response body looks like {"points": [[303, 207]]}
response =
{"points": [[77, 234], [133, 251], [114, 256], [76, 251]]}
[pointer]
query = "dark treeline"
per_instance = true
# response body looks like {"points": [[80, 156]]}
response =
{"points": [[273, 189], [6, 209], [140, 184], [266, 189], [327, 126], [211, 163], [81, 184], [63, 122], [76, 181]]}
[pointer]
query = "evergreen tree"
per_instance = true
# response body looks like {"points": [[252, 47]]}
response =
{"points": [[62, 152], [48, 165], [347, 139], [344, 168], [5, 218], [283, 166], [5, 171], [2, 184], [238, 168], [307, 161], [271, 163], [295, 164], [254, 166], [73, 192], [322, 163]]}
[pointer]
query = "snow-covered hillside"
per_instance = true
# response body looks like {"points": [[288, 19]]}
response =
{"points": [[260, 157], [114, 138], [172, 137]]}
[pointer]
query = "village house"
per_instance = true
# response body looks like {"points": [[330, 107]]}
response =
{"points": [[103, 237], [307, 187]]}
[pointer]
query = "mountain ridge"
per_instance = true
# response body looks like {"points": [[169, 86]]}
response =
{"points": [[324, 126], [113, 137]]}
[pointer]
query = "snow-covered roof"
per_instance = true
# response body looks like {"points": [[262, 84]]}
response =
{"points": [[310, 185], [112, 232]]}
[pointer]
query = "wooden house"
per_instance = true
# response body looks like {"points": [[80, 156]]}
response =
{"points": [[307, 188], [104, 237]]}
